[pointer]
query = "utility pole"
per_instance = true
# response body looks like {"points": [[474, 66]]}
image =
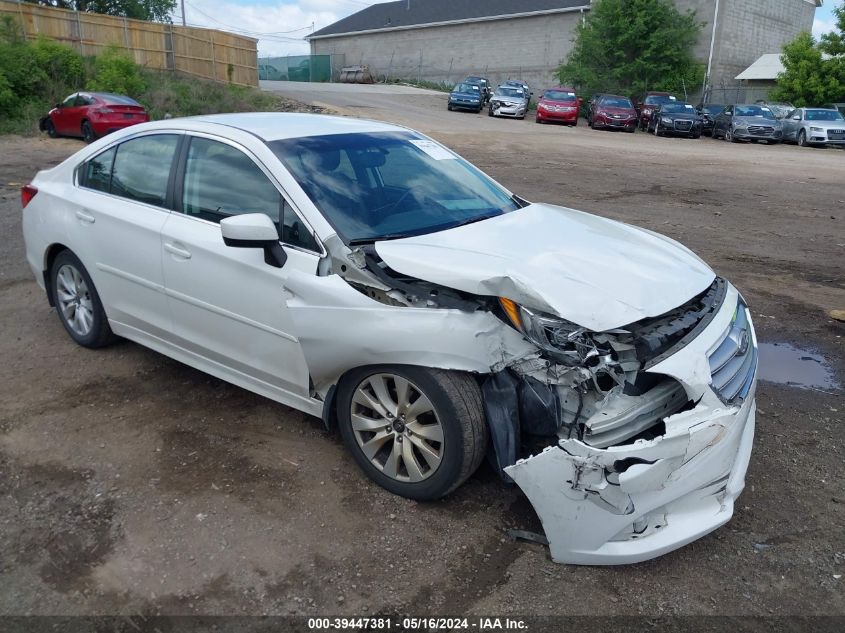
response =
{"points": [[183, 13]]}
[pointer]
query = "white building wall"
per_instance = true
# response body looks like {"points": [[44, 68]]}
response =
{"points": [[520, 48]]}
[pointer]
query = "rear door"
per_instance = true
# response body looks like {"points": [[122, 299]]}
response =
{"points": [[122, 205], [228, 305]]}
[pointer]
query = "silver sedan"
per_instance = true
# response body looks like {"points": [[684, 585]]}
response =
{"points": [[814, 126]]}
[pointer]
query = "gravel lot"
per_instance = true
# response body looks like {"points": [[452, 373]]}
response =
{"points": [[130, 483]]}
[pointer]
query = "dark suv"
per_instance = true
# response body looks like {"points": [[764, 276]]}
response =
{"points": [[486, 91], [650, 101]]}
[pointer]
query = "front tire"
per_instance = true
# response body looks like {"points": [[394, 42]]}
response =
{"points": [[50, 128], [802, 139], [419, 433], [77, 302], [88, 134]]}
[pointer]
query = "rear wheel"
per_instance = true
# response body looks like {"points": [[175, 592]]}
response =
{"points": [[88, 132], [77, 302], [416, 432]]}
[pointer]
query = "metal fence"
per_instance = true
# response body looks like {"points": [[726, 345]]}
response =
{"points": [[739, 93], [205, 53], [313, 68]]}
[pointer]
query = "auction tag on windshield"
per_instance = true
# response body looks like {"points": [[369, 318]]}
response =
{"points": [[434, 150]]}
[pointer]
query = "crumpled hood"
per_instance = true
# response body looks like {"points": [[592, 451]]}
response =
{"points": [[508, 100], [595, 272]]}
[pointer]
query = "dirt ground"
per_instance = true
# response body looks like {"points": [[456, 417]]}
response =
{"points": [[130, 483]]}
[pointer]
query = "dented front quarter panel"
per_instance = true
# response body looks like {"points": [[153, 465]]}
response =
{"points": [[340, 328], [630, 503]]}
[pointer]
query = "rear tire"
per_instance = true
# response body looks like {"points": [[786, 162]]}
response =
{"points": [[395, 441], [77, 302]]}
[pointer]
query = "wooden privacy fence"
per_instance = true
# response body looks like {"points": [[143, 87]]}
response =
{"points": [[205, 53]]}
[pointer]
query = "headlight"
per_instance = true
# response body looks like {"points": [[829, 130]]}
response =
{"points": [[602, 113], [666, 120], [816, 129], [740, 125], [647, 111], [563, 339]]}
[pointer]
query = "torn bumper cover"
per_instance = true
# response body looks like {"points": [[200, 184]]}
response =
{"points": [[632, 502]]}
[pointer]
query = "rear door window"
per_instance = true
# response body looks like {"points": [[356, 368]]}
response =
{"points": [[142, 168], [96, 173]]}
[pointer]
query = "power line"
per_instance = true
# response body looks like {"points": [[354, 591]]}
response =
{"points": [[247, 31]]}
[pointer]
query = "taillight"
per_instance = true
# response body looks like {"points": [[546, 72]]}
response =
{"points": [[103, 111], [27, 194]]}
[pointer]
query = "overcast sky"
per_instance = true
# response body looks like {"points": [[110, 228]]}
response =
{"points": [[281, 25]]}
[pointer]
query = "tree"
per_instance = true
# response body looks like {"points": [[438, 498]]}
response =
{"points": [[631, 46], [814, 72], [158, 10]]}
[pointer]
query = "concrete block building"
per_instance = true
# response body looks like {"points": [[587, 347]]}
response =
{"points": [[446, 40]]}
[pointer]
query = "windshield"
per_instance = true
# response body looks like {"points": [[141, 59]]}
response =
{"points": [[389, 185], [713, 109], [510, 92], [559, 95], [616, 102], [823, 115], [658, 99], [677, 107], [754, 111], [467, 88]]}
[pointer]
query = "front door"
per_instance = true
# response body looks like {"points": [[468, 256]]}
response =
{"points": [[228, 305]]}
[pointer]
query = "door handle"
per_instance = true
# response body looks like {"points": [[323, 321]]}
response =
{"points": [[85, 217], [177, 250]]}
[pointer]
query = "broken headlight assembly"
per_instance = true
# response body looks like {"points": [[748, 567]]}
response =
{"points": [[564, 341]]}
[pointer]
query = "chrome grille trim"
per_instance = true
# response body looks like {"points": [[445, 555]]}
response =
{"points": [[733, 364]]}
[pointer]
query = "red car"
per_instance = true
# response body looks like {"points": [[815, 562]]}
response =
{"points": [[651, 101], [559, 104], [92, 115], [612, 112]]}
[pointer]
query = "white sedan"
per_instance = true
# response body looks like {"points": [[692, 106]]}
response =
{"points": [[364, 273]]}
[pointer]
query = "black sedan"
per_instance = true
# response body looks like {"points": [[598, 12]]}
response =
{"points": [[676, 119], [709, 112]]}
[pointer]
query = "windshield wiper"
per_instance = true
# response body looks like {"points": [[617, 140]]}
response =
{"points": [[379, 238]]}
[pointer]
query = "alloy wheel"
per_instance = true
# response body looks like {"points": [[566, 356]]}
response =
{"points": [[397, 428], [74, 299]]}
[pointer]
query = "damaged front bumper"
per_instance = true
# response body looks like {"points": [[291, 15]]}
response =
{"points": [[631, 502]]}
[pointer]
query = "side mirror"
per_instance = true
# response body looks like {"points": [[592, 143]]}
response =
{"points": [[254, 230], [58, 106], [797, 117]]}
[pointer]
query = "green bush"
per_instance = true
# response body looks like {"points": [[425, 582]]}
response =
{"points": [[116, 71], [62, 68]]}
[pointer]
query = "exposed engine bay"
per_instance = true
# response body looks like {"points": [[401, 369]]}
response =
{"points": [[584, 385]]}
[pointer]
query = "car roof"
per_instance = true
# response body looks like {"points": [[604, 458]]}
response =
{"points": [[567, 88], [605, 94], [274, 126]]}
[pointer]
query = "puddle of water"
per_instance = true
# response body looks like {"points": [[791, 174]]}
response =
{"points": [[786, 364]]}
